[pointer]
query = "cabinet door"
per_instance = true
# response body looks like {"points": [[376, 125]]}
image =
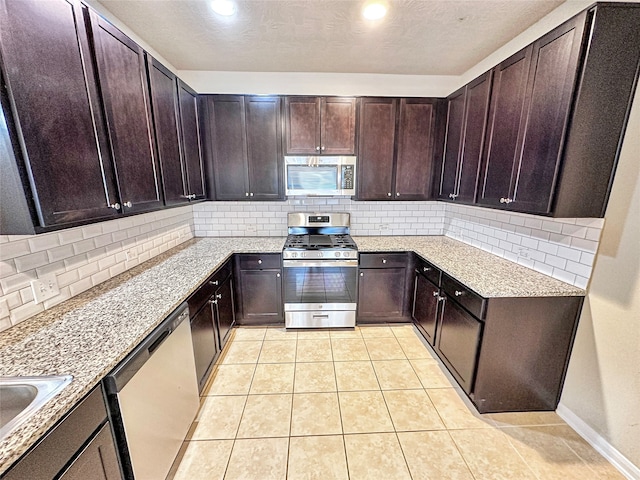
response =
{"points": [[225, 313], [302, 124], [125, 94], [414, 163], [453, 144], [165, 118], [53, 92], [192, 148], [228, 146], [264, 147], [205, 342], [457, 342], [376, 148], [551, 81], [337, 126], [475, 123], [97, 461], [381, 294], [425, 306], [261, 296], [505, 116]]}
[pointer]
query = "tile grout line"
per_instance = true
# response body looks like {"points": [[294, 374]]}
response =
{"points": [[335, 379]]}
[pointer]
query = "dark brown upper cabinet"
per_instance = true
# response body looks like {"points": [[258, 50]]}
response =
{"points": [[245, 145], [558, 114], [125, 94], [191, 141], [320, 125], [54, 153], [396, 141], [466, 121]]}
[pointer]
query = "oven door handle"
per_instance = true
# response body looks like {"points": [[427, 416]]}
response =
{"points": [[319, 263]]}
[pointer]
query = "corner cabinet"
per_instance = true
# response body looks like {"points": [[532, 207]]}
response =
{"points": [[320, 125], [396, 146], [244, 141]]}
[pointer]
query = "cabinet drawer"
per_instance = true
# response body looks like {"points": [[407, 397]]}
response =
{"points": [[425, 268], [258, 261], [383, 260], [464, 296], [208, 288]]}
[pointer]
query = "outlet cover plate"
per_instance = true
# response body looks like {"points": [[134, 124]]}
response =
{"points": [[45, 288]]}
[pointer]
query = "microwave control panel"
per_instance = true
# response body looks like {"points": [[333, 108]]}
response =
{"points": [[347, 177]]}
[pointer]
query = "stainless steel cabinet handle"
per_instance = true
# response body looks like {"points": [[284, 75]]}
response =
{"points": [[458, 293], [115, 206], [128, 204], [213, 282]]}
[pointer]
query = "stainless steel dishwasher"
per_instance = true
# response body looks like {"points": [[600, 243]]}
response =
{"points": [[153, 398]]}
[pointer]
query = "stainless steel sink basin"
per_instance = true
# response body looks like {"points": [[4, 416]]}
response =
{"points": [[21, 397]]}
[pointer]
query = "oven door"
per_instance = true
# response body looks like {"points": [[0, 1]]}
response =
{"points": [[319, 293]]}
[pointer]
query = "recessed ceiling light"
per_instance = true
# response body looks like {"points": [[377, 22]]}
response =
{"points": [[223, 7], [374, 10]]}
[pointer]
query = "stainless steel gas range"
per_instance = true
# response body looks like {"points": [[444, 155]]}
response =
{"points": [[320, 270]]}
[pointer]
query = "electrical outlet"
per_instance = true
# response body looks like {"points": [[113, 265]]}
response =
{"points": [[524, 253], [132, 254], [384, 226], [4, 309], [251, 228], [45, 288]]}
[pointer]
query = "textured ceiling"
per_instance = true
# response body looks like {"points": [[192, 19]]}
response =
{"points": [[419, 37]]}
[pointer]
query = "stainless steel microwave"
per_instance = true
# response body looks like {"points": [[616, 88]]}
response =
{"points": [[320, 176]]}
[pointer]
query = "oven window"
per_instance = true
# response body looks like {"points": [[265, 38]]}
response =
{"points": [[302, 177], [320, 284]]}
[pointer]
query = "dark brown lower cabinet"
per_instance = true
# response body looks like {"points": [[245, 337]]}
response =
{"points": [[383, 293], [457, 341], [224, 312], [79, 447], [205, 343], [259, 293], [425, 306]]}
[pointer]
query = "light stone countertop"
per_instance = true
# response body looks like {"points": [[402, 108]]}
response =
{"points": [[88, 335]]}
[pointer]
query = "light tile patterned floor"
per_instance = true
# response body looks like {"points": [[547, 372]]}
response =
{"points": [[369, 403]]}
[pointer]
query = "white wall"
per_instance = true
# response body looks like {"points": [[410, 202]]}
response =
{"points": [[602, 387]]}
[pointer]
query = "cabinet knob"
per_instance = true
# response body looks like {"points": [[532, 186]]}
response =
{"points": [[458, 293], [115, 206], [128, 204], [506, 200], [251, 194], [451, 195], [389, 194], [361, 274], [213, 282], [322, 148], [442, 299], [426, 269], [192, 196], [246, 194], [218, 295], [384, 260], [259, 262], [213, 302], [435, 294], [278, 275], [397, 194], [318, 148]]}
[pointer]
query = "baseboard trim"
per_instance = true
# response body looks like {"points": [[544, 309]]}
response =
{"points": [[597, 441]]}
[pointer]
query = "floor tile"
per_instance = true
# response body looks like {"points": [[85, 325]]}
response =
{"points": [[548, 454], [411, 410], [430, 373], [315, 414], [273, 378], [490, 456], [313, 334], [248, 333], [231, 380], [314, 377], [218, 418], [396, 375], [266, 416], [280, 334], [454, 412], [278, 351], [314, 351], [345, 333], [354, 376], [413, 348], [349, 349], [242, 352], [524, 419], [364, 412], [403, 331], [433, 455], [373, 331], [384, 349], [204, 459], [375, 456], [317, 458], [258, 459]]}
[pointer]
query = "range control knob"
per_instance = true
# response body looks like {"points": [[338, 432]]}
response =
{"points": [[337, 254], [294, 255]]}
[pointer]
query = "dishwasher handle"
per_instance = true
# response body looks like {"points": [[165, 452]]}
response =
{"points": [[115, 381]]}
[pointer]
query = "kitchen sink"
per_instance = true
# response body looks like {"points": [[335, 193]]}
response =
{"points": [[21, 397]]}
